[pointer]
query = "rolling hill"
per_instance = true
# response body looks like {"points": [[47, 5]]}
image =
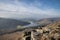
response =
{"points": [[46, 21]]}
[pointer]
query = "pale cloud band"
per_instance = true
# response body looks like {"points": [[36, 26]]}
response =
{"points": [[18, 9]]}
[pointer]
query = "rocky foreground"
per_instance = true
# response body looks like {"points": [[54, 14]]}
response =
{"points": [[49, 32]]}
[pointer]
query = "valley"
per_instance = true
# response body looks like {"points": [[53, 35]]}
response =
{"points": [[45, 30]]}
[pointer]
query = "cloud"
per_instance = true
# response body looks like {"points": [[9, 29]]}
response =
{"points": [[20, 9]]}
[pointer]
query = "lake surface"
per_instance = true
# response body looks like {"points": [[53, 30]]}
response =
{"points": [[31, 24], [9, 29]]}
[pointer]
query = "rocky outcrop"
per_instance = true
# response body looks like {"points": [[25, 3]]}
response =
{"points": [[51, 32]]}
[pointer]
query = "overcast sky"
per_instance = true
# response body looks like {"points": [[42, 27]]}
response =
{"points": [[29, 8]]}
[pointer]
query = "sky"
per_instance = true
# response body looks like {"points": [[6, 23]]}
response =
{"points": [[29, 8]]}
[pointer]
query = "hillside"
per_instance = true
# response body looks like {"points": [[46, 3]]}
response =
{"points": [[46, 21], [49, 32]]}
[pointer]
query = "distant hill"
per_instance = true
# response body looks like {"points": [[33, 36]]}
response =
{"points": [[48, 20], [10, 24]]}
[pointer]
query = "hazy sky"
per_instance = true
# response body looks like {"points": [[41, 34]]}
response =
{"points": [[29, 8]]}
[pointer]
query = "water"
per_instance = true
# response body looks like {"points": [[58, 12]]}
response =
{"points": [[31, 24], [9, 29]]}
